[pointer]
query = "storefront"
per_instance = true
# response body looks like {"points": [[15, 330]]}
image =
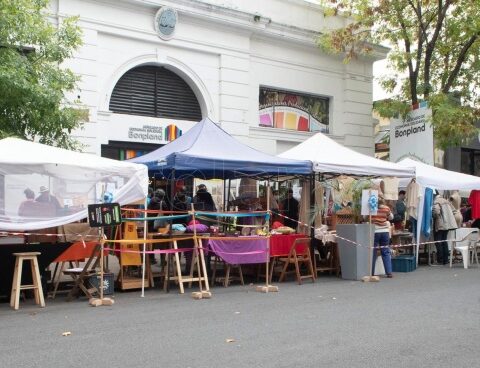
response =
{"points": [[151, 70]]}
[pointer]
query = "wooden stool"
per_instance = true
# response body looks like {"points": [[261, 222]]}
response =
{"points": [[17, 279]]}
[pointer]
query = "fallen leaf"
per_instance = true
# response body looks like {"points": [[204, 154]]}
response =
{"points": [[230, 340], [33, 313], [66, 333]]}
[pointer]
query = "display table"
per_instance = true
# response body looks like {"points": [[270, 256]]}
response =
{"points": [[241, 249]]}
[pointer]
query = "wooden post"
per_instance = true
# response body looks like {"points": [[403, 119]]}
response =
{"points": [[268, 288], [200, 261], [96, 302]]}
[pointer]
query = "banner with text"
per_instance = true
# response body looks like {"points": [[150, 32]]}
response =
{"points": [[412, 137]]}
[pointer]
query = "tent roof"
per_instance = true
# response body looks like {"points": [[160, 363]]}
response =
{"points": [[330, 157], [437, 178], [76, 175], [207, 151]]}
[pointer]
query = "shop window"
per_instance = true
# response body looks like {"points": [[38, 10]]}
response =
{"points": [[157, 92], [293, 111], [118, 150]]}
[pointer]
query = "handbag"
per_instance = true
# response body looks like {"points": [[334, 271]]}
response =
{"points": [[379, 269]]}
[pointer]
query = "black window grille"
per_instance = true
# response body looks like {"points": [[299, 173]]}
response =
{"points": [[157, 92]]}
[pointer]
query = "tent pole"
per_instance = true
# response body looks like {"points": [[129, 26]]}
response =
{"points": [[145, 230]]}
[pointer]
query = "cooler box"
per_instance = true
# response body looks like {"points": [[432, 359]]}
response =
{"points": [[404, 263]]}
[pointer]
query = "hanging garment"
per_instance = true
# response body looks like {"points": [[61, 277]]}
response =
{"points": [[390, 188], [304, 215], [474, 201], [427, 212], [413, 196]]}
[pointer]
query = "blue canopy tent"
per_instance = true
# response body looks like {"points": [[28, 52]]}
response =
{"points": [[207, 151]]}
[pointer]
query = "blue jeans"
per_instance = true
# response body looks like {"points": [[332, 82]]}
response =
{"points": [[382, 240]]}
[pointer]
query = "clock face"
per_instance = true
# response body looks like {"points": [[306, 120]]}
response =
{"points": [[165, 22]]}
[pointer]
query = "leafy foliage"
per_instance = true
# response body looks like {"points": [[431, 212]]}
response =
{"points": [[435, 51], [32, 82]]}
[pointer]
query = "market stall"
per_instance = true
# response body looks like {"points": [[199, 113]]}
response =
{"points": [[208, 152], [428, 176], [331, 160]]}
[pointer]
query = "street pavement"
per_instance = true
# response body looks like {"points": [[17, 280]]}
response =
{"points": [[426, 318]]}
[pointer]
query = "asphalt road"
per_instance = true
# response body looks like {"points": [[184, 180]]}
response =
{"points": [[427, 318]]}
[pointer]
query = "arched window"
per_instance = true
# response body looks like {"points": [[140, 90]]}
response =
{"points": [[155, 91]]}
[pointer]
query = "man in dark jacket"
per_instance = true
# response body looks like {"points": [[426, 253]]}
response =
{"points": [[203, 200]]}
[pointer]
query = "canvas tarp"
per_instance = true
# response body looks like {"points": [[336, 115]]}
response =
{"points": [[330, 157], [207, 151], [75, 179]]}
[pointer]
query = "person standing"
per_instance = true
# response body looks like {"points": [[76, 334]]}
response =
{"points": [[46, 197], [25, 205], [203, 200], [382, 237], [290, 209], [444, 220]]}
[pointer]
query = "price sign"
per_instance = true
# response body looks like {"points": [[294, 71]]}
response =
{"points": [[104, 215]]}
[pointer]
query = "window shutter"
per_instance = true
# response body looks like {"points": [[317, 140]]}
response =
{"points": [[156, 92]]}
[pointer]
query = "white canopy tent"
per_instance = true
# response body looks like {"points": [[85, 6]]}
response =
{"points": [[433, 177], [75, 179], [330, 157]]}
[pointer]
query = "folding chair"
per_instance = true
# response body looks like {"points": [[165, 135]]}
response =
{"points": [[299, 254]]}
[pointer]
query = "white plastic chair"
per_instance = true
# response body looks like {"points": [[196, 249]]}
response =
{"points": [[466, 244]]}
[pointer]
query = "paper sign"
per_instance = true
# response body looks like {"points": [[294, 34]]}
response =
{"points": [[369, 202]]}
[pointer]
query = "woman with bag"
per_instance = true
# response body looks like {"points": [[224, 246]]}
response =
{"points": [[444, 220]]}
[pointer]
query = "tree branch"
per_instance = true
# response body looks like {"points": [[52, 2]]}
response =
{"points": [[458, 65], [442, 11]]}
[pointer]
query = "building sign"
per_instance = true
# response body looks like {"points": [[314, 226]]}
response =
{"points": [[146, 133], [165, 22], [294, 111], [413, 137]]}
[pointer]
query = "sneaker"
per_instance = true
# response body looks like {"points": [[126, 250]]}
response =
{"points": [[390, 275]]}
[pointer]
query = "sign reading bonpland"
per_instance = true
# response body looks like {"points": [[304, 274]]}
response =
{"points": [[412, 137], [146, 133]]}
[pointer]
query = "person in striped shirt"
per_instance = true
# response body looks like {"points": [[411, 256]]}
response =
{"points": [[382, 236]]}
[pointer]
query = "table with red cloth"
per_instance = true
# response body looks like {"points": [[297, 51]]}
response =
{"points": [[280, 244], [239, 250]]}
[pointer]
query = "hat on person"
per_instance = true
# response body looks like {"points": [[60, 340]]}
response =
{"points": [[43, 189]]}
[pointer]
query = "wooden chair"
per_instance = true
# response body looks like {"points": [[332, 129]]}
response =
{"points": [[298, 256], [330, 263]]}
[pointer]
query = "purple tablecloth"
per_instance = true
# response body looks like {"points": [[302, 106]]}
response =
{"points": [[240, 250]]}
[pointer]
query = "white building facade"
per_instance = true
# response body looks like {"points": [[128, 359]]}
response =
{"points": [[150, 69]]}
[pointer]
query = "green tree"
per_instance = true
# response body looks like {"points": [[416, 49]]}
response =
{"points": [[33, 84], [434, 57]]}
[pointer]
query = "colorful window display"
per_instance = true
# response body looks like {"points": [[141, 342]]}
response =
{"points": [[293, 111]]}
